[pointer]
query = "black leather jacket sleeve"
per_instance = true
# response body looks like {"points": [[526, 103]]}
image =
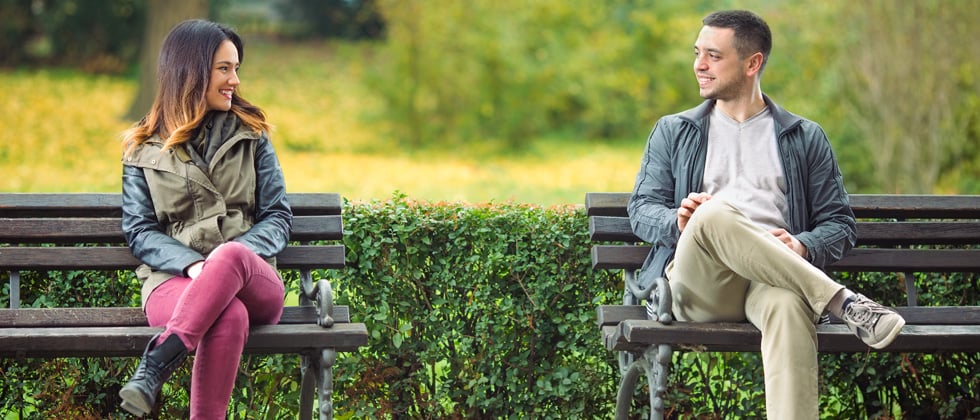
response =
{"points": [[273, 216]]}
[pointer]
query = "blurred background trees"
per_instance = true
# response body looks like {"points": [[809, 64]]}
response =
{"points": [[163, 16], [912, 88], [893, 83]]}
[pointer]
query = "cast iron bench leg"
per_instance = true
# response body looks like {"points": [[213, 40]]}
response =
{"points": [[317, 370], [317, 367], [655, 362]]}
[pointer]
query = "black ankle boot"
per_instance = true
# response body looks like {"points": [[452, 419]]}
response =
{"points": [[158, 363]]}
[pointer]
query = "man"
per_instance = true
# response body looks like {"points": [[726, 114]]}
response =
{"points": [[744, 203]]}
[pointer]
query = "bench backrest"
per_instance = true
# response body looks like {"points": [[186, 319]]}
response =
{"points": [[31, 222], [896, 233]]}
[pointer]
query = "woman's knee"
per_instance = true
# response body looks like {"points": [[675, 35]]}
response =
{"points": [[232, 250], [233, 321]]}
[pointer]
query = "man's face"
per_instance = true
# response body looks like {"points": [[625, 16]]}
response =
{"points": [[719, 70]]}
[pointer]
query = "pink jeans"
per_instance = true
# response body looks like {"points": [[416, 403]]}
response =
{"points": [[211, 316]]}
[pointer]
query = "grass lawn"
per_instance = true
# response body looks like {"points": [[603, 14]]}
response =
{"points": [[63, 130]]}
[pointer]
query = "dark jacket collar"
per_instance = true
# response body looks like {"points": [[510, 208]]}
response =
{"points": [[784, 119]]}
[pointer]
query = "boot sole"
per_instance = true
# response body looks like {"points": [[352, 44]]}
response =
{"points": [[134, 402]]}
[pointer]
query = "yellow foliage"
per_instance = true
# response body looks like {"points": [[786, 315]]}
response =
{"points": [[62, 131], [63, 135]]}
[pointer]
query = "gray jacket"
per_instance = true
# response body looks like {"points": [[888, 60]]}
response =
{"points": [[178, 206], [673, 166]]}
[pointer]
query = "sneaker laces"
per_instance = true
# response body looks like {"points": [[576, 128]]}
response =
{"points": [[864, 313]]}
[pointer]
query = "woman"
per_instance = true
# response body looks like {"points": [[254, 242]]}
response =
{"points": [[204, 209]]}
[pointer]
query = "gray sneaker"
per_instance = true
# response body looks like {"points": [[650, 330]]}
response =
{"points": [[873, 323]]}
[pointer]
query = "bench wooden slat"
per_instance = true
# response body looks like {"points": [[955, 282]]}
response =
{"points": [[302, 257], [130, 341], [606, 203], [616, 257], [635, 335], [611, 229], [58, 204], [902, 206], [108, 204], [315, 203], [618, 229], [908, 206], [918, 233], [120, 257], [61, 230], [109, 230], [914, 315], [630, 257], [317, 228], [131, 317], [906, 260]]}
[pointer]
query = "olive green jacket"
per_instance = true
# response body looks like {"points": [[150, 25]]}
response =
{"points": [[181, 203]]}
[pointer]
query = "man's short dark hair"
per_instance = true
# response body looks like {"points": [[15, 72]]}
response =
{"points": [[752, 34]]}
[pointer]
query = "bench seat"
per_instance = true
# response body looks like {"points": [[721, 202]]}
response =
{"points": [[928, 330], [91, 332]]}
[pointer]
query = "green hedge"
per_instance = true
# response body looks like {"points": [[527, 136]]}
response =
{"points": [[475, 312], [488, 311]]}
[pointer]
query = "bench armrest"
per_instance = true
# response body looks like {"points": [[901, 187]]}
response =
{"points": [[319, 295]]}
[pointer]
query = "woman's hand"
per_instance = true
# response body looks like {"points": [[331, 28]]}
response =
{"points": [[194, 270]]}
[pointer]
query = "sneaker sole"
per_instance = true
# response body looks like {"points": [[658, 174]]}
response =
{"points": [[890, 337]]}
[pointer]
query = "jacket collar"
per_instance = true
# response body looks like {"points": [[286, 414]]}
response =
{"points": [[785, 120]]}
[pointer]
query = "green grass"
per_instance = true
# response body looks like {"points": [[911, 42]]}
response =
{"points": [[63, 130]]}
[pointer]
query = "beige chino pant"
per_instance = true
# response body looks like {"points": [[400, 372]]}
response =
{"points": [[727, 268]]}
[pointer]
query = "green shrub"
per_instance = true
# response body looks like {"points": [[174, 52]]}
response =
{"points": [[475, 312]]}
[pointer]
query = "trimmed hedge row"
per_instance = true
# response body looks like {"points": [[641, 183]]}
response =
{"points": [[487, 311], [475, 312]]}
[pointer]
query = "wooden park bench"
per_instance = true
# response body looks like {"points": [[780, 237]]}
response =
{"points": [[55, 232], [896, 234]]}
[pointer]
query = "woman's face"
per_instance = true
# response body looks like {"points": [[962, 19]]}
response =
{"points": [[224, 77]]}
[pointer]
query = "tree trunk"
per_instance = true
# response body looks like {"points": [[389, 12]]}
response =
{"points": [[161, 16]]}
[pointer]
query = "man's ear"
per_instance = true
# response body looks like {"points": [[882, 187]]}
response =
{"points": [[753, 66]]}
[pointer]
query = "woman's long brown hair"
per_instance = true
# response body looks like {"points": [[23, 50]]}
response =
{"points": [[183, 73]]}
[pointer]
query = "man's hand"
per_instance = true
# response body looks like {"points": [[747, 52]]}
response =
{"points": [[790, 241], [688, 205]]}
